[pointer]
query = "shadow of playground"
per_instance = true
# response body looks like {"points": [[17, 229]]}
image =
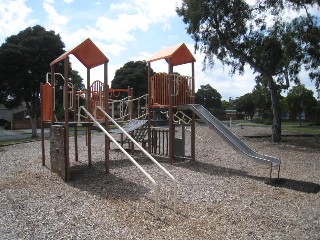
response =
{"points": [[95, 180], [211, 169]]}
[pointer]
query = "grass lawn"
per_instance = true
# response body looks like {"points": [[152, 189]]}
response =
{"points": [[306, 127]]}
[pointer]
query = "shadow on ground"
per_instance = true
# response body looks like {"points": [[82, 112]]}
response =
{"points": [[211, 169], [94, 179]]}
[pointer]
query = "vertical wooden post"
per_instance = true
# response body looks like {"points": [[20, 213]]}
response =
{"points": [[66, 119], [193, 126], [42, 127], [53, 84], [75, 109], [149, 108], [171, 129], [106, 121], [90, 111]]}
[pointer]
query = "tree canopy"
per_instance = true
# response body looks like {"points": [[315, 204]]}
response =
{"points": [[260, 36], [247, 105], [24, 61], [209, 97], [133, 74], [300, 100]]}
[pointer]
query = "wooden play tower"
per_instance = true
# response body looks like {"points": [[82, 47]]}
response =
{"points": [[96, 94], [168, 91]]}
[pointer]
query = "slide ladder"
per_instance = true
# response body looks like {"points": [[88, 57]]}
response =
{"points": [[230, 137], [154, 183]]}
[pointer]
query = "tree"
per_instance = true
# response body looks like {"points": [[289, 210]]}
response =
{"points": [[24, 61], [237, 34], [208, 97], [247, 105], [133, 74], [262, 99], [300, 100]]}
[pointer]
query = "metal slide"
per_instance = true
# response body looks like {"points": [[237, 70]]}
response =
{"points": [[231, 138]]}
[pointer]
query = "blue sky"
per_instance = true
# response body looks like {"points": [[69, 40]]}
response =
{"points": [[125, 30]]}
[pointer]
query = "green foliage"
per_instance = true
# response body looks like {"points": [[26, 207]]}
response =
{"points": [[237, 34], [262, 99], [246, 104], [24, 61], [208, 97], [133, 74], [300, 100]]}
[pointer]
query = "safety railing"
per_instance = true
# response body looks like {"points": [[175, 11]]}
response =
{"points": [[201, 134], [160, 141], [155, 185], [148, 155]]}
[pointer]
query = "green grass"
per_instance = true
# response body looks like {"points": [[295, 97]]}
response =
{"points": [[306, 128]]}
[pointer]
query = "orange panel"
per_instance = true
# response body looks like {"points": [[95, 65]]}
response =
{"points": [[47, 102]]}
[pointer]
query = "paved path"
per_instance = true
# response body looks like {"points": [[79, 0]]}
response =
{"points": [[11, 135]]}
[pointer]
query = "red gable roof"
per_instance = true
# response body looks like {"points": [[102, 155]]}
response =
{"points": [[176, 55], [87, 53]]}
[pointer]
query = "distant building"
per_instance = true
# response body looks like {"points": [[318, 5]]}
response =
{"points": [[15, 118]]}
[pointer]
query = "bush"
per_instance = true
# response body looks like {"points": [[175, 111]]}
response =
{"points": [[258, 120]]}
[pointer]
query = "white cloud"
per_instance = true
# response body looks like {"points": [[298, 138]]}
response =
{"points": [[121, 29], [14, 17], [120, 7], [68, 1], [121, 26], [53, 15]]}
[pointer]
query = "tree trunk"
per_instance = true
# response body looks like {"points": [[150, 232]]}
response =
{"points": [[276, 127], [33, 110], [34, 127]]}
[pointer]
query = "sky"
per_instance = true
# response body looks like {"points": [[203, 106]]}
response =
{"points": [[124, 30]]}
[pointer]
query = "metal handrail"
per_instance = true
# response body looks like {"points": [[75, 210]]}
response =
{"points": [[155, 185], [148, 155], [188, 121]]}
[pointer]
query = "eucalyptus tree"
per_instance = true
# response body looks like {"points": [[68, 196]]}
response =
{"points": [[259, 35]]}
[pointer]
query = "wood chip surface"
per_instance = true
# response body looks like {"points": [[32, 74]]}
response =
{"points": [[221, 195]]}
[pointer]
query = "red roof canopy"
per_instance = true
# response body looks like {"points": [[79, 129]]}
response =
{"points": [[87, 53], [176, 55]]}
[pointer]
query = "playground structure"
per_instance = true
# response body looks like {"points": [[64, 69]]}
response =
{"points": [[95, 111], [167, 93]]}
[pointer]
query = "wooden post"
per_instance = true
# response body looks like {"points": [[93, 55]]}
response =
{"points": [[42, 128], [53, 84], [75, 109], [193, 126], [106, 121], [171, 129], [90, 111], [149, 108], [66, 119]]}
